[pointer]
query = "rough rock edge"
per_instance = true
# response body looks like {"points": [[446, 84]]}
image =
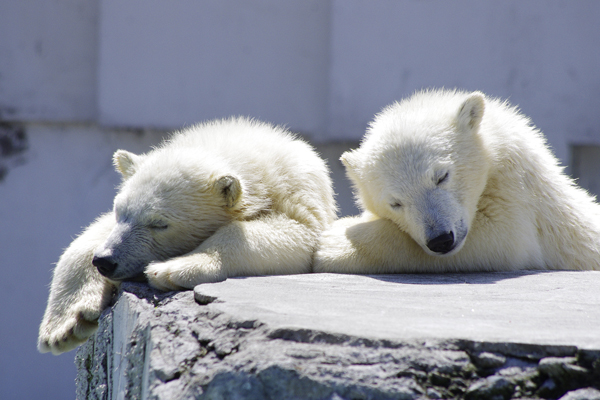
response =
{"points": [[169, 346]]}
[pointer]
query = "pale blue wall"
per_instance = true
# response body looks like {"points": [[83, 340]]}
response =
{"points": [[167, 64], [542, 55]]}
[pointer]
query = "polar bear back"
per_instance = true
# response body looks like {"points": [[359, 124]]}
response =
{"points": [[284, 172]]}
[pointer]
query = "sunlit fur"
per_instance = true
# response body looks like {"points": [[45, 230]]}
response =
{"points": [[220, 199], [504, 187]]}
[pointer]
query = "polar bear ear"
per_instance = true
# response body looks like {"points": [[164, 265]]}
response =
{"points": [[351, 160], [471, 111], [230, 188], [125, 162]]}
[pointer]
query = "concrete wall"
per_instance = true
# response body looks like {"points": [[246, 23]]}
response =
{"points": [[48, 60], [539, 54], [264, 58], [81, 78]]}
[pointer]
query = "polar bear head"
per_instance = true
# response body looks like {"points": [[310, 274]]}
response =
{"points": [[168, 204], [423, 165]]}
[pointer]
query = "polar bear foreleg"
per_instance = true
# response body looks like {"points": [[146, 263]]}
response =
{"points": [[78, 293], [365, 244], [273, 245]]}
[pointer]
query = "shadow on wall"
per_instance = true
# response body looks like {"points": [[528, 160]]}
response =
{"points": [[13, 144], [585, 164], [342, 188]]}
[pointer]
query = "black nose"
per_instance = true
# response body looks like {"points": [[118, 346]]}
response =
{"points": [[105, 265], [442, 244]]}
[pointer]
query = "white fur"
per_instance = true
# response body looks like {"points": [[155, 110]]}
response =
{"points": [[221, 199], [504, 189]]}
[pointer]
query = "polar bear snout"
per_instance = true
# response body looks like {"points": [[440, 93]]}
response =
{"points": [[105, 265], [443, 243]]}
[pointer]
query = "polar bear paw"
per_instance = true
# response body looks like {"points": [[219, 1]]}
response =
{"points": [[63, 332], [184, 272]]}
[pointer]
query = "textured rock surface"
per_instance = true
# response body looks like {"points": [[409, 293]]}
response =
{"points": [[350, 337]]}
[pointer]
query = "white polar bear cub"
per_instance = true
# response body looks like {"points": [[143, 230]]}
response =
{"points": [[226, 198], [452, 181]]}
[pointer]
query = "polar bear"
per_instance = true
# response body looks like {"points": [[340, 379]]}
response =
{"points": [[221, 199], [451, 181]]}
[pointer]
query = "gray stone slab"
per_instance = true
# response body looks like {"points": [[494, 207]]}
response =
{"points": [[324, 337], [540, 308]]}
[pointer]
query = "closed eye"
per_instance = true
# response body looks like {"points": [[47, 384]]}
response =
{"points": [[443, 178], [395, 205], [158, 225]]}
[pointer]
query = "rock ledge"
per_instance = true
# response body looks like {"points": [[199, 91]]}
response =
{"points": [[325, 336]]}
